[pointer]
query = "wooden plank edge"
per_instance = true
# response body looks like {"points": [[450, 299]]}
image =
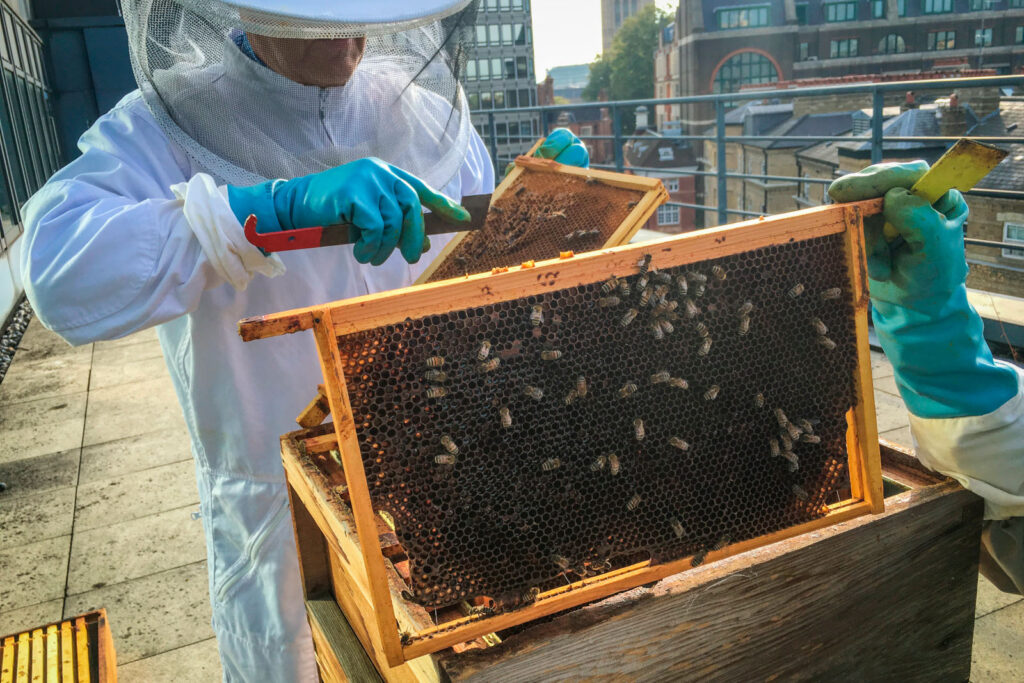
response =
{"points": [[638, 217], [566, 597], [332, 633], [610, 178]]}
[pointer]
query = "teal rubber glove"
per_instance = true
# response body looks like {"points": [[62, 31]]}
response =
{"points": [[383, 202], [564, 147], [922, 317]]}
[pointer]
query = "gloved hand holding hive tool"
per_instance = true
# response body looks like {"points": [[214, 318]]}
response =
{"points": [[966, 409]]}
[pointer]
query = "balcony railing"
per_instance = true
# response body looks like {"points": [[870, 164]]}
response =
{"points": [[721, 103]]}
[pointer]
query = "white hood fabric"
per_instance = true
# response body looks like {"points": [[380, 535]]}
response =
{"points": [[111, 249]]}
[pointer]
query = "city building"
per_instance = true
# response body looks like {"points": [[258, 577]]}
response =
{"points": [[613, 14], [725, 46], [650, 154], [569, 81], [499, 74]]}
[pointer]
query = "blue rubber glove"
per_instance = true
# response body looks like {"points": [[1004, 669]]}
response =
{"points": [[564, 147], [383, 202], [922, 317]]}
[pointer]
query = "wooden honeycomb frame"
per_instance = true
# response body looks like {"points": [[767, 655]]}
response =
{"points": [[362, 585], [654, 196]]}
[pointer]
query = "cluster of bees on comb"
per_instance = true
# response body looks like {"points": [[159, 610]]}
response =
{"points": [[559, 435]]}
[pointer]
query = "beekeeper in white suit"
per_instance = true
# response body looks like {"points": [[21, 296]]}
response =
{"points": [[303, 113]]}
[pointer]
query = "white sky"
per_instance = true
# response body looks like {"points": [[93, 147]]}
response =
{"points": [[568, 32]]}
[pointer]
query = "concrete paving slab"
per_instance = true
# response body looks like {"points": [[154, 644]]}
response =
{"points": [[109, 373], [33, 476], [134, 454], [991, 598], [39, 342], [135, 495], [131, 409], [890, 412], [25, 618], [901, 436], [40, 427], [880, 365], [196, 663], [886, 384], [136, 548], [29, 519], [44, 378], [33, 573], [153, 614], [998, 656]]}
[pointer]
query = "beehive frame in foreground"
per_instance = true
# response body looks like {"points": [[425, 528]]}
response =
{"points": [[382, 604]]}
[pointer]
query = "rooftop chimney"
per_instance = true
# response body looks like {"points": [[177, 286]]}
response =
{"points": [[952, 118]]}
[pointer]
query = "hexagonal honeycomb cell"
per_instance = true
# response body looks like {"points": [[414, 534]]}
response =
{"points": [[525, 444]]}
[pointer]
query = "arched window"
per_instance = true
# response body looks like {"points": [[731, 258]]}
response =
{"points": [[892, 44], [744, 68]]}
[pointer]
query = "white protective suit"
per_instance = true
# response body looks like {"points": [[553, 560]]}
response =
{"points": [[111, 249]]}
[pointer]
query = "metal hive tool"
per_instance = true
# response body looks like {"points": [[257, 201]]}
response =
{"points": [[542, 209], [504, 440]]}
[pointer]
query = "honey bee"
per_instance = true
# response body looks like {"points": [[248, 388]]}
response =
{"points": [[678, 383], [561, 562], [661, 278], [496, 209], [660, 377], [552, 354], [632, 204], [581, 386], [624, 288], [781, 418], [435, 361], [793, 431], [533, 392], [744, 326], [449, 445], [551, 464], [572, 235], [794, 462], [718, 272], [435, 376], [705, 347], [436, 392], [796, 290], [712, 393], [645, 297], [722, 541], [701, 328], [613, 464], [555, 214], [667, 327], [832, 293], [827, 343], [605, 302], [530, 595], [810, 438], [608, 285], [634, 502], [506, 417], [638, 429], [745, 309], [644, 264], [759, 400], [775, 450], [519, 190], [641, 283], [677, 527], [676, 442], [571, 397], [787, 443], [696, 277], [484, 350], [698, 557], [627, 390], [628, 317], [699, 289], [444, 459], [819, 326], [692, 311], [490, 365], [590, 180], [799, 492], [656, 331], [681, 285], [806, 425], [598, 463]]}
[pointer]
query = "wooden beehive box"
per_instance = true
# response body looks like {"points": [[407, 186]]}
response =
{"points": [[543, 208], [516, 519], [76, 650]]}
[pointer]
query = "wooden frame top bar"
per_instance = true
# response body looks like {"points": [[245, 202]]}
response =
{"points": [[374, 310]]}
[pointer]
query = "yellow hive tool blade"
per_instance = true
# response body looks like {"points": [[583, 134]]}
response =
{"points": [[960, 168]]}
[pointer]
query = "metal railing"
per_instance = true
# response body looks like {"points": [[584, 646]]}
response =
{"points": [[721, 103]]}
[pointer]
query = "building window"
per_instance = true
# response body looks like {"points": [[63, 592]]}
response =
{"points": [[510, 68], [1016, 3], [982, 37], [499, 99], [511, 98], [847, 47], [492, 34], [742, 17], [841, 11], [485, 100], [942, 40], [481, 35], [492, 5], [1019, 36], [877, 9], [669, 215], [801, 13], [483, 69], [892, 44], [1014, 234], [671, 184], [521, 68], [496, 68], [744, 68], [936, 6], [805, 50], [470, 69], [518, 34], [981, 4], [503, 4], [901, 7]]}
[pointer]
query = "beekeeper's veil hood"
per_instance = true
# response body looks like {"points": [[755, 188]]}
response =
{"points": [[240, 120]]}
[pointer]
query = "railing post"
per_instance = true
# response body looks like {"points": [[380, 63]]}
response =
{"points": [[723, 186], [617, 132], [877, 112], [492, 140]]}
